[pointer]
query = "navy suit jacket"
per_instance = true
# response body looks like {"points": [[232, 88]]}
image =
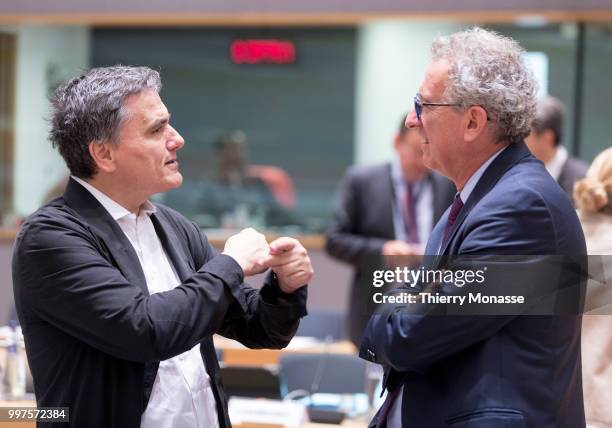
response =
{"points": [[498, 370]]}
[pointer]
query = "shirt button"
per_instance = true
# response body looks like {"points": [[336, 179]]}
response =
{"points": [[371, 354]]}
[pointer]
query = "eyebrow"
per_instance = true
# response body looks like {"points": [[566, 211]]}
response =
{"points": [[422, 98], [159, 122]]}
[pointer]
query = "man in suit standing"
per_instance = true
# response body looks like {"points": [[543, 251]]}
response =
{"points": [[118, 297], [385, 210], [545, 142], [472, 113]]}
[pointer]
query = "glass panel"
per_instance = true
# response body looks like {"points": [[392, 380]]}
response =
{"points": [[559, 43], [296, 120], [597, 90]]}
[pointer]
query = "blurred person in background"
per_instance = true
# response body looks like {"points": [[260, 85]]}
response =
{"points": [[238, 198], [385, 210], [546, 143], [236, 171], [235, 196], [118, 297], [593, 198]]}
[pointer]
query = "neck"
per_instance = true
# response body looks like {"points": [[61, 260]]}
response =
{"points": [[413, 178], [470, 165], [118, 194], [549, 154]]}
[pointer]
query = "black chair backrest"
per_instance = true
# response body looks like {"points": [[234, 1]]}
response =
{"points": [[323, 324], [323, 373]]}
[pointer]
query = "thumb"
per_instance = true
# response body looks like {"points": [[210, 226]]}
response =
{"points": [[282, 245]]}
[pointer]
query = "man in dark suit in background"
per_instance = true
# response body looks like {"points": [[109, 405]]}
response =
{"points": [[472, 113], [119, 298], [546, 143], [385, 210]]}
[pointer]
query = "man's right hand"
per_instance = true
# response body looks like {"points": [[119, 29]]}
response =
{"points": [[400, 253], [248, 248], [401, 248]]}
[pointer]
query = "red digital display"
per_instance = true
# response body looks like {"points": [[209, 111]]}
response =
{"points": [[262, 51]]}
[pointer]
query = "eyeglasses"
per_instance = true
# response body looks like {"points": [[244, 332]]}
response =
{"points": [[418, 105]]}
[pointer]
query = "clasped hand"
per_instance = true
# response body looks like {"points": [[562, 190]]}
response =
{"points": [[287, 258]]}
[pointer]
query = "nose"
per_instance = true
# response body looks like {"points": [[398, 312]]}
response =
{"points": [[175, 142], [411, 120]]}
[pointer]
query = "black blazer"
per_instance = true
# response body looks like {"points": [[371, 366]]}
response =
{"points": [[363, 222], [94, 336], [573, 170]]}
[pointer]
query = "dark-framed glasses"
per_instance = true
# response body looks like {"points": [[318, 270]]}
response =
{"points": [[418, 105]]}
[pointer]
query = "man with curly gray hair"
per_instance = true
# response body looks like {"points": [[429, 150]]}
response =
{"points": [[118, 297], [472, 112]]}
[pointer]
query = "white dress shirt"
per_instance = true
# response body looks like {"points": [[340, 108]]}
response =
{"points": [[181, 396], [475, 178], [555, 165], [423, 190]]}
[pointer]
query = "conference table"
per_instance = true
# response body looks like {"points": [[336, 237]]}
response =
{"points": [[32, 424], [236, 354]]}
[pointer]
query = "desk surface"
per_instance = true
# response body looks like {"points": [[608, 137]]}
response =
{"points": [[216, 238], [236, 354], [17, 403], [31, 403], [7, 234], [345, 424]]}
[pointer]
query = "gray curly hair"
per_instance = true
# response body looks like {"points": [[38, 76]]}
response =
{"points": [[89, 108], [487, 69]]}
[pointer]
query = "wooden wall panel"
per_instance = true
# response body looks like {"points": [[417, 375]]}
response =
{"points": [[7, 120]]}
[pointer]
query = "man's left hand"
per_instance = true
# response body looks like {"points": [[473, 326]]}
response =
{"points": [[289, 260]]}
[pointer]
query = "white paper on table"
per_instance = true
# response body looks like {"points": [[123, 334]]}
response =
{"points": [[258, 410]]}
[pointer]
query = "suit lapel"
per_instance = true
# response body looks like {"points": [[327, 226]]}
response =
{"points": [[388, 195], [506, 159], [106, 228]]}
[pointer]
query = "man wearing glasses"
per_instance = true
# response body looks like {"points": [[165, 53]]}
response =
{"points": [[473, 111], [385, 211]]}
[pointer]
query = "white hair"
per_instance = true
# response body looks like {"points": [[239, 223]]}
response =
{"points": [[488, 70]]}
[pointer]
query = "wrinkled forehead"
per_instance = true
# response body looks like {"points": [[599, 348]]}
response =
{"points": [[145, 107], [434, 83]]}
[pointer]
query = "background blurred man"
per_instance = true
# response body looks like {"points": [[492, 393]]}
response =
{"points": [[385, 210], [546, 143]]}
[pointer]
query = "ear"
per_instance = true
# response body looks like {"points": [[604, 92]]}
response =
{"points": [[475, 122], [548, 137], [103, 154], [397, 141]]}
